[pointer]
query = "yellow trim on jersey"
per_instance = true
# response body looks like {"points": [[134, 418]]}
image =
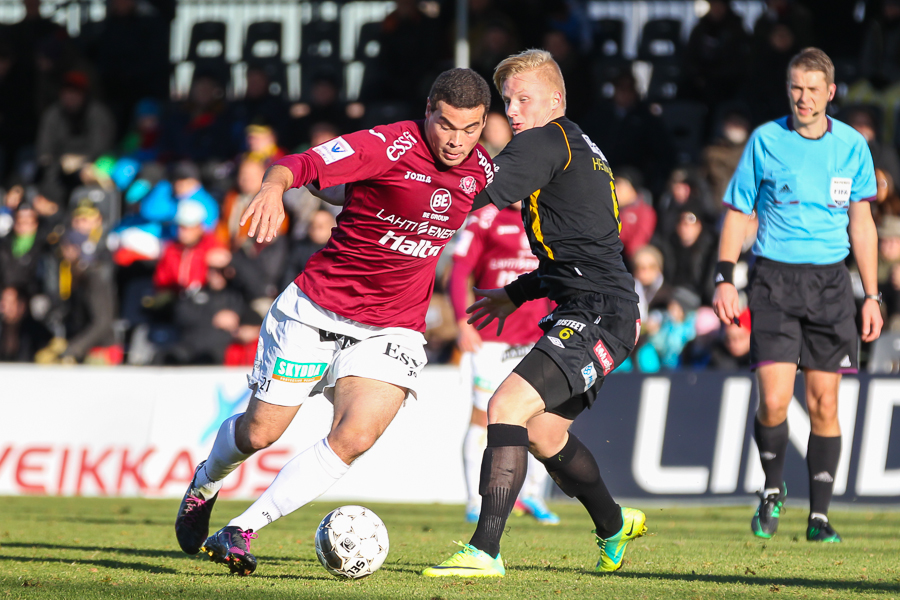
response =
{"points": [[536, 222], [565, 137]]}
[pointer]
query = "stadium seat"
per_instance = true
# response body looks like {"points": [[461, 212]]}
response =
{"points": [[685, 121], [368, 47], [661, 41], [607, 38], [885, 354], [664, 81], [604, 71], [320, 51], [206, 50], [263, 49]]}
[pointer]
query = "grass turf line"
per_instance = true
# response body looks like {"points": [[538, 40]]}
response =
{"points": [[87, 548]]}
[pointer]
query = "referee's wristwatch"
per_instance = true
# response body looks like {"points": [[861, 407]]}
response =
{"points": [[875, 297]]}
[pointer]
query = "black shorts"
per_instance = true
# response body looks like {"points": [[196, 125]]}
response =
{"points": [[803, 314], [587, 336]]}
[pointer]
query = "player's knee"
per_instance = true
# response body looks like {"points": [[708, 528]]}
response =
{"points": [[350, 445], [254, 440]]}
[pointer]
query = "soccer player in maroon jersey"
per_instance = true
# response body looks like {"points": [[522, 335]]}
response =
{"points": [[571, 216], [350, 325], [491, 252]]}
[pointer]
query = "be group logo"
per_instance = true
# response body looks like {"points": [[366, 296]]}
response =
{"points": [[440, 201]]}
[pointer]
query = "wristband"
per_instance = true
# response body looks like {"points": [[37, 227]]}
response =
{"points": [[724, 272]]}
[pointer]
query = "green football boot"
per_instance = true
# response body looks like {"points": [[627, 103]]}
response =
{"points": [[468, 562], [821, 531], [765, 522], [612, 549]]}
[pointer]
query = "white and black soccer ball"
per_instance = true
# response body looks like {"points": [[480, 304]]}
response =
{"points": [[351, 542]]}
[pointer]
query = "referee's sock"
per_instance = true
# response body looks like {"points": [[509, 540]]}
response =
{"points": [[576, 473], [502, 474], [772, 443], [822, 456]]}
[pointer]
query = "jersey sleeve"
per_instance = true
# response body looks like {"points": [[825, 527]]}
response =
{"points": [[345, 159], [527, 163], [864, 186], [743, 188]]}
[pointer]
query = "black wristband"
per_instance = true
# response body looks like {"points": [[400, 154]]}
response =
{"points": [[724, 272]]}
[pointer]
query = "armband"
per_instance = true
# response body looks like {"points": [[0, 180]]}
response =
{"points": [[724, 272]]}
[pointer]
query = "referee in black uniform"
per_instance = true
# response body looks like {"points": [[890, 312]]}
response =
{"points": [[571, 218]]}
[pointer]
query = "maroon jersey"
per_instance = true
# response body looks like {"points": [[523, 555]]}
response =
{"points": [[402, 206], [494, 250]]}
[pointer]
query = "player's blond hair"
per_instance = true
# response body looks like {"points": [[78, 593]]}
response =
{"points": [[812, 59], [536, 60]]}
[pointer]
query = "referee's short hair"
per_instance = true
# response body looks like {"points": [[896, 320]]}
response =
{"points": [[812, 59], [460, 88]]}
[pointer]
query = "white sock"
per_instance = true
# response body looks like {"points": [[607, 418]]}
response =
{"points": [[303, 479], [536, 480], [473, 452], [224, 458], [818, 516]]}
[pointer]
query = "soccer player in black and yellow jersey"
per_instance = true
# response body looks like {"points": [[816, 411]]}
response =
{"points": [[571, 218]]}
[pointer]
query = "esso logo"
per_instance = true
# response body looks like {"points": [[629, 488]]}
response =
{"points": [[440, 201]]}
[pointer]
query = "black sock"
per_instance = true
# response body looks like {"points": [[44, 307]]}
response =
{"points": [[772, 443], [576, 473], [502, 475], [822, 456]]}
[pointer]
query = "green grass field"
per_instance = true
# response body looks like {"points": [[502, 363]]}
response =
{"points": [[84, 548]]}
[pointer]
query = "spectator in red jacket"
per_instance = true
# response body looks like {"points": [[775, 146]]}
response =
{"points": [[636, 214], [183, 264]]}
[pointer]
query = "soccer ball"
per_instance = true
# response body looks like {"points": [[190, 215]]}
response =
{"points": [[351, 542]]}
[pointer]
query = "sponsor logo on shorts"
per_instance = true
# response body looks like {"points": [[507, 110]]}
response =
{"points": [[334, 150], [293, 372], [846, 362], [824, 477], [556, 342], [637, 331], [566, 333], [467, 184], [590, 376], [515, 352], [606, 361], [396, 351], [576, 325]]}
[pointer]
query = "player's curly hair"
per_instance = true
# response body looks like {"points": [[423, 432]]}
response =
{"points": [[812, 59], [460, 88], [540, 61]]}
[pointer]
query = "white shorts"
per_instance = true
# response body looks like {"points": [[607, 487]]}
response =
{"points": [[304, 349], [489, 366]]}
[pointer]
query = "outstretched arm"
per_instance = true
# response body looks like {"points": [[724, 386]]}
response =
{"points": [[494, 304]]}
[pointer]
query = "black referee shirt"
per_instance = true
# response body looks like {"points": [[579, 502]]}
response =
{"points": [[570, 212]]}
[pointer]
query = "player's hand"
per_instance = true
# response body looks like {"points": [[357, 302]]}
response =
{"points": [[871, 321], [266, 213], [494, 304], [469, 340], [726, 303]]}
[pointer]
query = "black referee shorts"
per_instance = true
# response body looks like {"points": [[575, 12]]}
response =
{"points": [[803, 314], [587, 336]]}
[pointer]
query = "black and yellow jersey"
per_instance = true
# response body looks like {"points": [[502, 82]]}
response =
{"points": [[570, 211]]}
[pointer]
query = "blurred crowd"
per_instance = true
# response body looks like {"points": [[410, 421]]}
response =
{"points": [[119, 225]]}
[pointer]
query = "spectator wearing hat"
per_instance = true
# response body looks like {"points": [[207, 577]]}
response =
{"points": [[670, 331], [73, 132], [162, 203], [142, 140], [636, 214], [84, 304], [183, 264]]}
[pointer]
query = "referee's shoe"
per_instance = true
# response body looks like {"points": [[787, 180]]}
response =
{"points": [[820, 530], [764, 523]]}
